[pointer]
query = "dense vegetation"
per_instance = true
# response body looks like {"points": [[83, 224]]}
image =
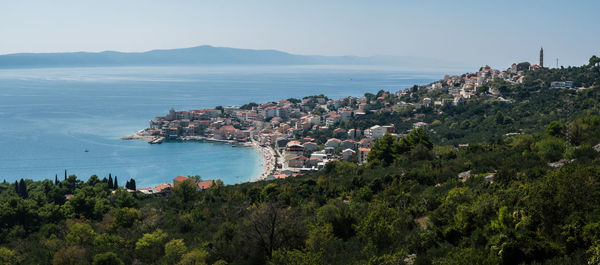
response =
{"points": [[407, 206]]}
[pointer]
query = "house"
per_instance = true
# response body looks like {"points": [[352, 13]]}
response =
{"points": [[163, 187], [338, 132], [297, 161], [348, 154], [318, 155], [375, 132], [202, 185], [294, 147], [362, 155], [420, 124], [366, 143], [310, 146], [427, 102], [313, 162], [345, 114], [179, 179], [333, 142], [329, 150], [348, 144], [332, 119], [458, 99], [354, 133]]}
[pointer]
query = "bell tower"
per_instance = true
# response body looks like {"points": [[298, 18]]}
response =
{"points": [[542, 57]]}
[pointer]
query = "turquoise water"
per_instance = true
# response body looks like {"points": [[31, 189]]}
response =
{"points": [[48, 117]]}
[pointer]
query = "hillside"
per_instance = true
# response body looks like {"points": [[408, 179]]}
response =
{"points": [[526, 190]]}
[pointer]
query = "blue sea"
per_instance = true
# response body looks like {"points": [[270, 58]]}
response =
{"points": [[48, 117]]}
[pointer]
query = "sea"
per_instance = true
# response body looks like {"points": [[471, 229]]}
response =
{"points": [[50, 117]]}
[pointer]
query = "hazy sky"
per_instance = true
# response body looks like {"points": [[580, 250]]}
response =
{"points": [[479, 32]]}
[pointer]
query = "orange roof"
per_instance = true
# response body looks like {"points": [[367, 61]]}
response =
{"points": [[204, 184], [163, 186], [364, 149], [179, 179], [280, 176]]}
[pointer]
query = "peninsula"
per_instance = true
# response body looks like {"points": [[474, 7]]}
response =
{"points": [[296, 136]]}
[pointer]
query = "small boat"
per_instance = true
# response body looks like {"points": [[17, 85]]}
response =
{"points": [[86, 150], [233, 145]]}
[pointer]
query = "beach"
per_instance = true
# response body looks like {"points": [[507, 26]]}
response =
{"points": [[269, 160]]}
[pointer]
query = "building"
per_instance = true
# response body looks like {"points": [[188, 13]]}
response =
{"points": [[362, 155], [294, 147], [297, 161], [427, 102], [348, 144], [348, 154], [366, 143], [310, 146], [420, 124], [179, 179], [375, 132], [333, 142], [562, 84], [542, 57], [202, 185]]}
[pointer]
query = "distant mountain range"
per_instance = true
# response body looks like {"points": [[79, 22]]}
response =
{"points": [[204, 55]]}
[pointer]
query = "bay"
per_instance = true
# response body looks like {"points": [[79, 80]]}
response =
{"points": [[49, 116]]}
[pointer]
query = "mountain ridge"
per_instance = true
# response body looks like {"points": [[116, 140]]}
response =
{"points": [[201, 55]]}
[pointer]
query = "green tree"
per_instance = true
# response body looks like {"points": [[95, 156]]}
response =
{"points": [[108, 258], [126, 217], [551, 148], [382, 150], [380, 229], [174, 249], [7, 256], [80, 233], [185, 191], [194, 257], [594, 61], [555, 129], [150, 246]]}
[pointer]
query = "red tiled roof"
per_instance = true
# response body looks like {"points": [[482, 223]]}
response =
{"points": [[179, 179], [204, 184], [161, 187]]}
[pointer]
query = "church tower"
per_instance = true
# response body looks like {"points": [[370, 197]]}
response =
{"points": [[542, 57]]}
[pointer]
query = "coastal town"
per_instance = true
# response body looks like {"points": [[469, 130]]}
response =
{"points": [[296, 136]]}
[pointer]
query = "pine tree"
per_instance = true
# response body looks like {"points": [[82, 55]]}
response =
{"points": [[132, 184], [56, 179], [65, 174], [22, 189], [116, 185], [17, 187], [110, 181]]}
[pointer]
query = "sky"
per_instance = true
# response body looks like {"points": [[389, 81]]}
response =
{"points": [[496, 33]]}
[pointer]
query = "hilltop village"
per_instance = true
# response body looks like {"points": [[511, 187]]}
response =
{"points": [[296, 136]]}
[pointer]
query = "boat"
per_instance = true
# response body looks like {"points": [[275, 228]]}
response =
{"points": [[86, 150]]}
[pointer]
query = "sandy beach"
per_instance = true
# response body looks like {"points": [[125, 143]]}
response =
{"points": [[269, 160]]}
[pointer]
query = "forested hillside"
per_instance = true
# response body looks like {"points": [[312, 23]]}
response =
{"points": [[529, 197]]}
